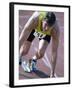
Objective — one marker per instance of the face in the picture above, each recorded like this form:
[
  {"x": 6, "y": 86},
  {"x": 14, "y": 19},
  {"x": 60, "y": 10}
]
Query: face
[{"x": 45, "y": 25}]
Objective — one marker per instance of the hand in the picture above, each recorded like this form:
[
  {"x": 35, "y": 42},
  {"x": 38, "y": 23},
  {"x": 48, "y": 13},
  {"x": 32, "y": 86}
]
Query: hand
[{"x": 53, "y": 75}]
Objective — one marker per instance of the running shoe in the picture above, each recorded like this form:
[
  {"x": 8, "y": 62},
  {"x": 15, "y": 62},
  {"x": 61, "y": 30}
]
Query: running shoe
[{"x": 30, "y": 66}]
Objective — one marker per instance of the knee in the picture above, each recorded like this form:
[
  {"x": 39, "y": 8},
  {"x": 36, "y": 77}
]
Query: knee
[
  {"x": 40, "y": 54},
  {"x": 23, "y": 51}
]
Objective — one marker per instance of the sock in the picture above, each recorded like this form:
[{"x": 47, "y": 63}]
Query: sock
[
  {"x": 20, "y": 60},
  {"x": 34, "y": 58},
  {"x": 34, "y": 61}
]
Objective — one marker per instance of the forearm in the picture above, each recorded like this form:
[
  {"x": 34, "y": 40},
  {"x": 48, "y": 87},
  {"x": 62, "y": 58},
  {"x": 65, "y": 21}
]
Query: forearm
[
  {"x": 55, "y": 43},
  {"x": 53, "y": 62}
]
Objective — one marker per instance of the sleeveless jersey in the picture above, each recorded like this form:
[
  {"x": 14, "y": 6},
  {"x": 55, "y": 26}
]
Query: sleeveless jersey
[{"x": 39, "y": 27}]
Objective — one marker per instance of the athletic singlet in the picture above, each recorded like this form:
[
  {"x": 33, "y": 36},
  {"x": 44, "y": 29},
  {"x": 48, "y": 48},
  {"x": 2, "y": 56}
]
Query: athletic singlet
[{"x": 39, "y": 27}]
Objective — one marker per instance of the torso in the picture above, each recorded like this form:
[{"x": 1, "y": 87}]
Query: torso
[
  {"x": 39, "y": 26},
  {"x": 52, "y": 32}
]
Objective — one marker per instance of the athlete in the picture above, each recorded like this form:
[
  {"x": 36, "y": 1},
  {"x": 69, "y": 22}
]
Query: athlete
[{"x": 44, "y": 26}]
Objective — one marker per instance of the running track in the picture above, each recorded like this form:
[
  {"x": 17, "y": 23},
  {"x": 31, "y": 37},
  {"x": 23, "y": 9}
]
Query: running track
[{"x": 43, "y": 64}]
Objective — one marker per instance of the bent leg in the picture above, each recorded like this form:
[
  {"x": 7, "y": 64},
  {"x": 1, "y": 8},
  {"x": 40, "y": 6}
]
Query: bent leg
[
  {"x": 26, "y": 44},
  {"x": 25, "y": 48},
  {"x": 42, "y": 48},
  {"x": 39, "y": 54}
]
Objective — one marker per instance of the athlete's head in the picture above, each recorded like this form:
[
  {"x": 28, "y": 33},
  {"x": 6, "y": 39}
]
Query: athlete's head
[{"x": 49, "y": 20}]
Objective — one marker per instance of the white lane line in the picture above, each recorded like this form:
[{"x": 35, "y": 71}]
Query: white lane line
[
  {"x": 47, "y": 60},
  {"x": 24, "y": 17}
]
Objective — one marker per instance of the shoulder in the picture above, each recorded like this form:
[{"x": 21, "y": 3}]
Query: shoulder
[
  {"x": 56, "y": 30},
  {"x": 33, "y": 18},
  {"x": 56, "y": 27},
  {"x": 35, "y": 15}
]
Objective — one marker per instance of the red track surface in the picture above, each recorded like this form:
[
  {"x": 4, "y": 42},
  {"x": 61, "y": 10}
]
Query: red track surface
[{"x": 43, "y": 68}]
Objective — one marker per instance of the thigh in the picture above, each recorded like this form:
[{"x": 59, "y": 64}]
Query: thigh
[
  {"x": 43, "y": 45},
  {"x": 31, "y": 36},
  {"x": 26, "y": 44},
  {"x": 25, "y": 48}
]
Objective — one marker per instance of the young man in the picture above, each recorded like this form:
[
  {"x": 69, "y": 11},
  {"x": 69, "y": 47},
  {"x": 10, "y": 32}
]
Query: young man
[{"x": 44, "y": 26}]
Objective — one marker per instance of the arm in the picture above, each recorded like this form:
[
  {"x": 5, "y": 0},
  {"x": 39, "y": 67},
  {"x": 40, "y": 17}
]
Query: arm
[
  {"x": 29, "y": 26},
  {"x": 55, "y": 43}
]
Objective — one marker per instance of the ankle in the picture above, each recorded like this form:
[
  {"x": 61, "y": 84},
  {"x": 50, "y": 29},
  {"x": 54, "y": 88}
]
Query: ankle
[
  {"x": 20, "y": 60},
  {"x": 34, "y": 60}
]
